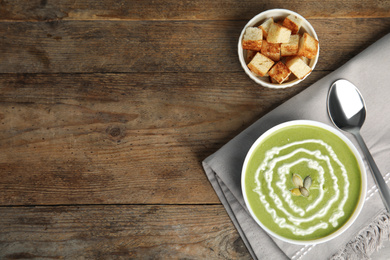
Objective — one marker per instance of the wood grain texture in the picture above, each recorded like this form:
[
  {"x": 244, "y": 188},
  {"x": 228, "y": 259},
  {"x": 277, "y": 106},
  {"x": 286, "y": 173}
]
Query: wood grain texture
[
  {"x": 122, "y": 232},
  {"x": 184, "y": 10},
  {"x": 121, "y": 138},
  {"x": 155, "y": 46},
  {"x": 107, "y": 109}
]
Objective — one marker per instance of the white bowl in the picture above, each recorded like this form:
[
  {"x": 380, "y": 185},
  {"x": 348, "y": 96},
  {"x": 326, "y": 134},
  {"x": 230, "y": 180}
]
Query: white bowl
[
  {"x": 277, "y": 14},
  {"x": 363, "y": 190}
]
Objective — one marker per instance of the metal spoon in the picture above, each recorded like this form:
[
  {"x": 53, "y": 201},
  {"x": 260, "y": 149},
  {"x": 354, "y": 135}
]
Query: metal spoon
[{"x": 347, "y": 110}]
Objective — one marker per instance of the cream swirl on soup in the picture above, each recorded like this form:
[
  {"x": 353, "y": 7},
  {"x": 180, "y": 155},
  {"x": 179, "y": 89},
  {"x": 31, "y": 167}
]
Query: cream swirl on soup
[
  {"x": 302, "y": 150},
  {"x": 311, "y": 211}
]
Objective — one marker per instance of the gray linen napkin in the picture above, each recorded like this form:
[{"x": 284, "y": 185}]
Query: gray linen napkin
[{"x": 370, "y": 72}]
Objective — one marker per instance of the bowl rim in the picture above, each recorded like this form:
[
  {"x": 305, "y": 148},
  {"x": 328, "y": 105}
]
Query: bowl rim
[
  {"x": 278, "y": 12},
  {"x": 363, "y": 190}
]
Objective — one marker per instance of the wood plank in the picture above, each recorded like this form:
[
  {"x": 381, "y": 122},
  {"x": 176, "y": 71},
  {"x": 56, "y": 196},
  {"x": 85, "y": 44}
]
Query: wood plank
[
  {"x": 179, "y": 46},
  {"x": 19, "y": 10},
  {"x": 119, "y": 232},
  {"x": 121, "y": 138}
]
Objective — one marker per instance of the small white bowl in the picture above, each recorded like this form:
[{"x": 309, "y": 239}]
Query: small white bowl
[
  {"x": 363, "y": 189},
  {"x": 277, "y": 14}
]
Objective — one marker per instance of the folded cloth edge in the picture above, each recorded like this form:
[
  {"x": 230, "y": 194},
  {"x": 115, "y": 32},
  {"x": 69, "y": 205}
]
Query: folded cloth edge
[
  {"x": 368, "y": 240},
  {"x": 222, "y": 192}
]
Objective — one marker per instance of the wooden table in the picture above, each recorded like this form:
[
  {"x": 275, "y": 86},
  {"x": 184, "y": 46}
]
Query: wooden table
[{"x": 107, "y": 109}]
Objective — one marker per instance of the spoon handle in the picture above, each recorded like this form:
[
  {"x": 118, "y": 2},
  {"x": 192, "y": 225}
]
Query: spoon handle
[{"x": 384, "y": 190}]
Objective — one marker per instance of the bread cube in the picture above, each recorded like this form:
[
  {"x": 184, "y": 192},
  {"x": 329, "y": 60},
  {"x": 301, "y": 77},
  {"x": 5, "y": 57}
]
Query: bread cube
[
  {"x": 308, "y": 46},
  {"x": 279, "y": 72},
  {"x": 253, "y": 38},
  {"x": 305, "y": 59},
  {"x": 249, "y": 55},
  {"x": 265, "y": 26},
  {"x": 260, "y": 64},
  {"x": 293, "y": 23},
  {"x": 271, "y": 50},
  {"x": 278, "y": 34},
  {"x": 290, "y": 48},
  {"x": 298, "y": 67}
]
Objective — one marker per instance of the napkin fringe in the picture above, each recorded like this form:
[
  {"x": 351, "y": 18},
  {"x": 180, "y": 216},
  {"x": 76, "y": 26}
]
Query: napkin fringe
[{"x": 368, "y": 240}]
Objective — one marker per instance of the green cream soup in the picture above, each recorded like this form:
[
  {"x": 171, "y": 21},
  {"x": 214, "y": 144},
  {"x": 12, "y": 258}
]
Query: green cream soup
[{"x": 306, "y": 152}]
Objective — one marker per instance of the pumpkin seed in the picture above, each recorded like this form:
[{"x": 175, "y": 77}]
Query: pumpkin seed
[
  {"x": 297, "y": 180},
  {"x": 296, "y": 192},
  {"x": 307, "y": 182},
  {"x": 304, "y": 191}
]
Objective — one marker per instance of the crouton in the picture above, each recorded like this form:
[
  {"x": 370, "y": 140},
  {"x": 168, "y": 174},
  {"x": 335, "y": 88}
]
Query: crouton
[
  {"x": 271, "y": 50},
  {"x": 293, "y": 23},
  {"x": 265, "y": 26},
  {"x": 308, "y": 46},
  {"x": 253, "y": 39},
  {"x": 279, "y": 72},
  {"x": 284, "y": 54},
  {"x": 249, "y": 55},
  {"x": 305, "y": 59},
  {"x": 260, "y": 64},
  {"x": 298, "y": 67},
  {"x": 278, "y": 34},
  {"x": 290, "y": 48}
]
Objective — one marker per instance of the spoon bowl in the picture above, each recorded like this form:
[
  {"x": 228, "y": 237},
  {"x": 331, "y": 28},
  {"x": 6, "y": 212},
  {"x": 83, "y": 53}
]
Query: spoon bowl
[{"x": 347, "y": 110}]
